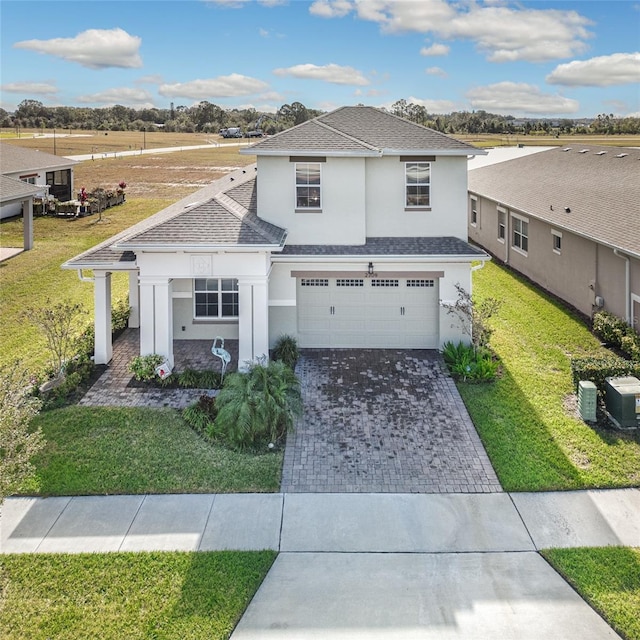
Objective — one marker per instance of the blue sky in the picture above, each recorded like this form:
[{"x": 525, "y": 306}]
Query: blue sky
[{"x": 537, "y": 59}]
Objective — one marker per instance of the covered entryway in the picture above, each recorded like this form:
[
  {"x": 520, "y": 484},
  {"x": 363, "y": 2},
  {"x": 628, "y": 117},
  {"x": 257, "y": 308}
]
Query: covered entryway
[{"x": 377, "y": 312}]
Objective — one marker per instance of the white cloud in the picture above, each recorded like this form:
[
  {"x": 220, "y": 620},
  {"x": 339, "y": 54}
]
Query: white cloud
[
  {"x": 332, "y": 73},
  {"x": 139, "y": 98},
  {"x": 35, "y": 88},
  {"x": 263, "y": 32},
  {"x": 503, "y": 33},
  {"x": 330, "y": 8},
  {"x": 151, "y": 79},
  {"x": 220, "y": 87},
  {"x": 603, "y": 71},
  {"x": 519, "y": 98},
  {"x": 238, "y": 4},
  {"x": 434, "y": 106},
  {"x": 436, "y": 71},
  {"x": 436, "y": 49},
  {"x": 94, "y": 48}
]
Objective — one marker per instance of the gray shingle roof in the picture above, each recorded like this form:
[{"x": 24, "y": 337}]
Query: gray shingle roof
[
  {"x": 14, "y": 159},
  {"x": 386, "y": 246},
  {"x": 220, "y": 214},
  {"x": 12, "y": 189},
  {"x": 360, "y": 130},
  {"x": 602, "y": 191}
]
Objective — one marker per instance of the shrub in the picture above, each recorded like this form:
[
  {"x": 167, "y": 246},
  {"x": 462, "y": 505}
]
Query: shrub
[
  {"x": 210, "y": 379},
  {"x": 616, "y": 332},
  {"x": 286, "y": 350},
  {"x": 201, "y": 415},
  {"x": 144, "y": 367},
  {"x": 598, "y": 369},
  {"x": 467, "y": 363},
  {"x": 258, "y": 407},
  {"x": 120, "y": 315},
  {"x": 188, "y": 379}
]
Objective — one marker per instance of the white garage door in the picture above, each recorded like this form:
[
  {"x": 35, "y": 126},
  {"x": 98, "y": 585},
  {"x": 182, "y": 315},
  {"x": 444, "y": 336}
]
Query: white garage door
[{"x": 368, "y": 312}]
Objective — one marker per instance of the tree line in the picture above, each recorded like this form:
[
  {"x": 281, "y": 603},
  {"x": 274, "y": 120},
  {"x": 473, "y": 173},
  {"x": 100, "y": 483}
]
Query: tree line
[{"x": 206, "y": 117}]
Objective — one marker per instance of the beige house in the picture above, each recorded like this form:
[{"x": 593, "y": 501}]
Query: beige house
[
  {"x": 349, "y": 231},
  {"x": 569, "y": 219}
]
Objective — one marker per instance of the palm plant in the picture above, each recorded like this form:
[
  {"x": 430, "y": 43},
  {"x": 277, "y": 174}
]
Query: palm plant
[{"x": 257, "y": 407}]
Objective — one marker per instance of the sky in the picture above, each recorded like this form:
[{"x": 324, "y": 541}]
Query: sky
[{"x": 561, "y": 59}]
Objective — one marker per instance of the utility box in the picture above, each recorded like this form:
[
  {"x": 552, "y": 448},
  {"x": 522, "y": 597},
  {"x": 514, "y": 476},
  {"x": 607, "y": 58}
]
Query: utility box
[
  {"x": 622, "y": 399},
  {"x": 587, "y": 400}
]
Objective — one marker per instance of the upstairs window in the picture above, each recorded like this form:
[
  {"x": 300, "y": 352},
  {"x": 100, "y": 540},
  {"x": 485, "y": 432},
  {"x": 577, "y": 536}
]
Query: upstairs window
[
  {"x": 417, "y": 184},
  {"x": 308, "y": 185},
  {"x": 502, "y": 225},
  {"x": 557, "y": 241},
  {"x": 474, "y": 212},
  {"x": 216, "y": 298}
]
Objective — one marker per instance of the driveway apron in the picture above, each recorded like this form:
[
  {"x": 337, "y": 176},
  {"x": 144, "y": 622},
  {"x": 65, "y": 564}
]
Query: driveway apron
[{"x": 383, "y": 421}]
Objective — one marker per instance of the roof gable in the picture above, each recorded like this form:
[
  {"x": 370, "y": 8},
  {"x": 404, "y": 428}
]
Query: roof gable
[
  {"x": 600, "y": 190},
  {"x": 360, "y": 131}
]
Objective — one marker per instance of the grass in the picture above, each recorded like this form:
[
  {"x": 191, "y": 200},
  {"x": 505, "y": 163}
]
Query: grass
[
  {"x": 128, "y": 595},
  {"x": 540, "y": 139},
  {"x": 94, "y": 451},
  {"x": 608, "y": 579},
  {"x": 534, "y": 441}
]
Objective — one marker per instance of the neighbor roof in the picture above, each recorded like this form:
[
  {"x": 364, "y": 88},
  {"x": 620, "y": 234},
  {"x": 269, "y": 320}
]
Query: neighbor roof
[
  {"x": 14, "y": 159},
  {"x": 365, "y": 131},
  {"x": 12, "y": 189},
  {"x": 599, "y": 185},
  {"x": 222, "y": 214}
]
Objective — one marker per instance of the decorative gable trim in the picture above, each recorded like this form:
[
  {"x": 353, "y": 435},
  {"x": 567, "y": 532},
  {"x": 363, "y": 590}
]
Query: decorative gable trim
[
  {"x": 417, "y": 158},
  {"x": 307, "y": 158}
]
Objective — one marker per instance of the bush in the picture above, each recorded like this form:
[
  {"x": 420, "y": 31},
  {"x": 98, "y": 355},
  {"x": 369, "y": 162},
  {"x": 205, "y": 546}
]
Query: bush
[
  {"x": 598, "y": 369},
  {"x": 617, "y": 333},
  {"x": 258, "y": 407},
  {"x": 469, "y": 364},
  {"x": 144, "y": 367},
  {"x": 201, "y": 415},
  {"x": 286, "y": 350}
]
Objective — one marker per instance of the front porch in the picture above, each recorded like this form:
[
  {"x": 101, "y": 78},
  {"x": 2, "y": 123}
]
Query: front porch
[{"x": 115, "y": 388}]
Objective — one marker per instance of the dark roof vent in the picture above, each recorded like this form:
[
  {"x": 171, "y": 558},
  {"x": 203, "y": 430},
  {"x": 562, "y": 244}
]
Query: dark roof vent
[
  {"x": 601, "y": 153},
  {"x": 622, "y": 155},
  {"x": 567, "y": 210},
  {"x": 583, "y": 151},
  {"x": 567, "y": 149}
]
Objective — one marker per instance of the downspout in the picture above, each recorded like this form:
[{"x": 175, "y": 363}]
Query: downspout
[{"x": 627, "y": 285}]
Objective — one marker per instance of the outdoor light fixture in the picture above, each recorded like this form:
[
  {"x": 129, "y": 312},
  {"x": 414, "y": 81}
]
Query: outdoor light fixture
[{"x": 370, "y": 269}]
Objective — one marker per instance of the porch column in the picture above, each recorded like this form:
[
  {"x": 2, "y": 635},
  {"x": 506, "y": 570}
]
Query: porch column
[
  {"x": 134, "y": 300},
  {"x": 103, "y": 349},
  {"x": 156, "y": 317},
  {"x": 253, "y": 321},
  {"x": 27, "y": 223}
]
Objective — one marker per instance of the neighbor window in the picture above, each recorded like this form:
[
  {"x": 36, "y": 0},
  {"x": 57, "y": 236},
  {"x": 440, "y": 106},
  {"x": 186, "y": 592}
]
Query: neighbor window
[
  {"x": 520, "y": 234},
  {"x": 474, "y": 212},
  {"x": 417, "y": 184},
  {"x": 557, "y": 241},
  {"x": 502, "y": 225},
  {"x": 216, "y": 298},
  {"x": 307, "y": 185}
]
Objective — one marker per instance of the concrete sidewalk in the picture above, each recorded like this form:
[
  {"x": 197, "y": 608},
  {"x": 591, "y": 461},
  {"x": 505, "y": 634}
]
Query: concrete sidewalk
[{"x": 374, "y": 566}]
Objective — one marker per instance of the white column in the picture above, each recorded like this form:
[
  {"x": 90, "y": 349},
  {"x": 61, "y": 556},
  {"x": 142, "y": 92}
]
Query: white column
[
  {"x": 102, "y": 317},
  {"x": 245, "y": 324},
  {"x": 163, "y": 295},
  {"x": 147, "y": 317},
  {"x": 134, "y": 300},
  {"x": 260, "y": 319},
  {"x": 27, "y": 223}
]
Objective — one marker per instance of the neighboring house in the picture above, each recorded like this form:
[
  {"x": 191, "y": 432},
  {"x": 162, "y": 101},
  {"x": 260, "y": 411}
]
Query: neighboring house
[
  {"x": 17, "y": 193},
  {"x": 568, "y": 219},
  {"x": 53, "y": 174},
  {"x": 349, "y": 232}
]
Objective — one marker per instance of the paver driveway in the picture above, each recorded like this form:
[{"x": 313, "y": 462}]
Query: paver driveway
[{"x": 383, "y": 420}]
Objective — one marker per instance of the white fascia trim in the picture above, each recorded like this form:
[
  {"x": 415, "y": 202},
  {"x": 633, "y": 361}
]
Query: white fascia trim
[
  {"x": 101, "y": 266},
  {"x": 381, "y": 258}
]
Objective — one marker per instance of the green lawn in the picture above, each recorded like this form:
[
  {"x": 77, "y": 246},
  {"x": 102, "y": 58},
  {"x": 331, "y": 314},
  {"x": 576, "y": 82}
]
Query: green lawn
[
  {"x": 608, "y": 579},
  {"x": 121, "y": 451},
  {"x": 128, "y": 595},
  {"x": 533, "y": 441}
]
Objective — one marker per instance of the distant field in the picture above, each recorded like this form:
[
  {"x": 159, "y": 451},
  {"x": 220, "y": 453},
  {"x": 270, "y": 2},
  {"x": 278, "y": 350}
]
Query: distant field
[{"x": 535, "y": 140}]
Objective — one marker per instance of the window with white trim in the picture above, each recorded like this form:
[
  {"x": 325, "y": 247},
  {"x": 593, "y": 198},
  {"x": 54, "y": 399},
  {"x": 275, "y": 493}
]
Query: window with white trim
[
  {"x": 29, "y": 180},
  {"x": 215, "y": 298},
  {"x": 557, "y": 241},
  {"x": 474, "y": 212},
  {"x": 417, "y": 184},
  {"x": 308, "y": 185},
  {"x": 502, "y": 225},
  {"x": 520, "y": 235}
]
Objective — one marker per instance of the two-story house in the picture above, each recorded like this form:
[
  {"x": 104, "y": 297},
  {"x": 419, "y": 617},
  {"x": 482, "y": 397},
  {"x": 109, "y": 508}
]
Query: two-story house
[{"x": 350, "y": 231}]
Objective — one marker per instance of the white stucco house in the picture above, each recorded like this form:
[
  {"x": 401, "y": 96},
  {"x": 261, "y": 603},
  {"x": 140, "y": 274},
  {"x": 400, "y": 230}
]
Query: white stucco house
[{"x": 349, "y": 231}]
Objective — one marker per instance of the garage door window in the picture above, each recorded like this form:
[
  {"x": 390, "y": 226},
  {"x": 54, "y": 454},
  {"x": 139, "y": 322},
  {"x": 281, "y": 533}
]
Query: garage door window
[
  {"x": 421, "y": 283},
  {"x": 385, "y": 283},
  {"x": 349, "y": 282},
  {"x": 216, "y": 298},
  {"x": 314, "y": 282}
]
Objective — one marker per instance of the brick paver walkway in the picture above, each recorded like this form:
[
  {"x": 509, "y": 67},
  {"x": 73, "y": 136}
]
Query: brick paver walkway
[
  {"x": 114, "y": 388},
  {"x": 383, "y": 421}
]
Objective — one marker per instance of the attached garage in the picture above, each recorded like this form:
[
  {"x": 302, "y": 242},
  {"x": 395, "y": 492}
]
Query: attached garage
[{"x": 374, "y": 312}]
